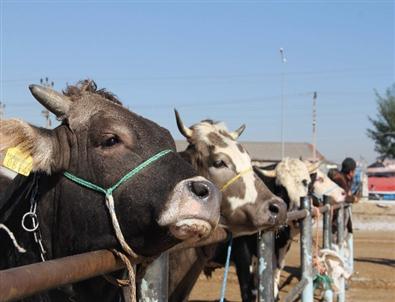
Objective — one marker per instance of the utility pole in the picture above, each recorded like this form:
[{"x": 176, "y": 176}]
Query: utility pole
[
  {"x": 45, "y": 112},
  {"x": 284, "y": 61},
  {"x": 314, "y": 125},
  {"x": 2, "y": 111}
]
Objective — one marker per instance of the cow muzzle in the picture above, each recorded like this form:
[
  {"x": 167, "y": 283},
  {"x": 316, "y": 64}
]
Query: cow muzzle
[
  {"x": 268, "y": 214},
  {"x": 192, "y": 211}
]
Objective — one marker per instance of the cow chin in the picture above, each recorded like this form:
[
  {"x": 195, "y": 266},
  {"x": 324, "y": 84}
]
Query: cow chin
[
  {"x": 192, "y": 211},
  {"x": 191, "y": 229}
]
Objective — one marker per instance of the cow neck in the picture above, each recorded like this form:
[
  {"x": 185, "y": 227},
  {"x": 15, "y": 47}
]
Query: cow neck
[
  {"x": 34, "y": 226},
  {"x": 109, "y": 195},
  {"x": 24, "y": 199}
]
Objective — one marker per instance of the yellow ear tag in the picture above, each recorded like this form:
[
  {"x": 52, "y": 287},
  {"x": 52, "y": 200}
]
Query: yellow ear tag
[{"x": 18, "y": 161}]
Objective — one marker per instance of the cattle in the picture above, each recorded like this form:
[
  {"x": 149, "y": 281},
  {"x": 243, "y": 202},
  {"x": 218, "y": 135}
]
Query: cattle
[
  {"x": 322, "y": 185},
  {"x": 247, "y": 204},
  {"x": 289, "y": 174},
  {"x": 290, "y": 179},
  {"x": 156, "y": 198}
]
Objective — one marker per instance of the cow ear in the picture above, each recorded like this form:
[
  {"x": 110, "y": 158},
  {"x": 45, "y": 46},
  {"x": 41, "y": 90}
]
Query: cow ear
[{"x": 35, "y": 141}]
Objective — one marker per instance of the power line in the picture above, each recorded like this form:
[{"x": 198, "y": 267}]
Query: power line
[{"x": 220, "y": 77}]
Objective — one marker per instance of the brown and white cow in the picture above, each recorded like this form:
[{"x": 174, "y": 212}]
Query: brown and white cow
[
  {"x": 247, "y": 204},
  {"x": 101, "y": 142},
  {"x": 290, "y": 179}
]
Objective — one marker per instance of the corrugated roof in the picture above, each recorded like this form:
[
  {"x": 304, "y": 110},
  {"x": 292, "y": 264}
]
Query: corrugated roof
[{"x": 271, "y": 151}]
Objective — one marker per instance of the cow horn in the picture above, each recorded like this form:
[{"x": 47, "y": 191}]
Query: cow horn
[
  {"x": 312, "y": 167},
  {"x": 187, "y": 132},
  {"x": 269, "y": 173},
  {"x": 55, "y": 102},
  {"x": 235, "y": 134}
]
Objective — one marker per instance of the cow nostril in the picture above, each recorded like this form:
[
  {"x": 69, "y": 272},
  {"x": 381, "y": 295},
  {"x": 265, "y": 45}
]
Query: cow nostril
[
  {"x": 200, "y": 189},
  {"x": 274, "y": 209}
]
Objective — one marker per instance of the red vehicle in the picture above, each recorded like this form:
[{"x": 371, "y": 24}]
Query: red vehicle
[{"x": 381, "y": 180}]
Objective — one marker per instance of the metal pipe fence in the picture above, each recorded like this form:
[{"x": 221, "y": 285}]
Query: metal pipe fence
[
  {"x": 19, "y": 282},
  {"x": 305, "y": 287}
]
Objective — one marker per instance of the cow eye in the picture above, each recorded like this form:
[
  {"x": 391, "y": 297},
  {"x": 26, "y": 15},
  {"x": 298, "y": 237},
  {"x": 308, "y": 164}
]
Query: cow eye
[
  {"x": 219, "y": 164},
  {"x": 111, "y": 141},
  {"x": 305, "y": 182}
]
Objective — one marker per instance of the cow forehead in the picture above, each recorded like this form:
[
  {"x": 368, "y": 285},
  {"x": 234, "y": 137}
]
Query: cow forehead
[
  {"x": 204, "y": 130},
  {"x": 217, "y": 135},
  {"x": 292, "y": 170},
  {"x": 325, "y": 178},
  {"x": 89, "y": 105}
]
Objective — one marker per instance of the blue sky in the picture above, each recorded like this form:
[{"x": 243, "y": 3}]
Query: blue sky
[{"x": 217, "y": 59}]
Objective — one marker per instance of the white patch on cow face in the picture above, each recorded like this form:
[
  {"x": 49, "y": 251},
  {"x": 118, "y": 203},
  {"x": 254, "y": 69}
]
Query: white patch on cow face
[
  {"x": 249, "y": 197},
  {"x": 323, "y": 185},
  {"x": 241, "y": 161},
  {"x": 293, "y": 175}
]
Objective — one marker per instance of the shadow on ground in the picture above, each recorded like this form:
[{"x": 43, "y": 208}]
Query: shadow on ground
[{"x": 381, "y": 261}]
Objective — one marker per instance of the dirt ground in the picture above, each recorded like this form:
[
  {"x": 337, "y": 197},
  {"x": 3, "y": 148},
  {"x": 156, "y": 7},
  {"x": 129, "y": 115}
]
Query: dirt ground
[{"x": 374, "y": 266}]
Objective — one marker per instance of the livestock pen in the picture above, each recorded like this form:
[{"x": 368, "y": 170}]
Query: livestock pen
[{"x": 24, "y": 281}]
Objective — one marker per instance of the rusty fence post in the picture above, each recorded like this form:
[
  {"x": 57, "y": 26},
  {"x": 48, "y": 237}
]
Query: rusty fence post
[
  {"x": 306, "y": 250},
  {"x": 265, "y": 266},
  {"x": 154, "y": 285}
]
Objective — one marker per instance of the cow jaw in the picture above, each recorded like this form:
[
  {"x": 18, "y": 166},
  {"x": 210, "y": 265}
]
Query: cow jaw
[
  {"x": 190, "y": 216},
  {"x": 191, "y": 229}
]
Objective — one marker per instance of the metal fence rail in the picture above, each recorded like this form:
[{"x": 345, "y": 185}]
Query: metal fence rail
[{"x": 27, "y": 280}]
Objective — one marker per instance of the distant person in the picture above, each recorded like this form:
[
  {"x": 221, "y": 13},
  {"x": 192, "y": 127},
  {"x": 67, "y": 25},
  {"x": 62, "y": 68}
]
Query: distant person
[{"x": 344, "y": 178}]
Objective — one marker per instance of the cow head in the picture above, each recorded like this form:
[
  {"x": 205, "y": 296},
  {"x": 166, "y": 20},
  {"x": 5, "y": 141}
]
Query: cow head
[
  {"x": 322, "y": 185},
  {"x": 292, "y": 176},
  {"x": 100, "y": 141},
  {"x": 247, "y": 204}
]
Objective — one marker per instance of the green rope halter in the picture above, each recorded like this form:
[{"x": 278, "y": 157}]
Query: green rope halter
[
  {"x": 130, "y": 174},
  {"x": 323, "y": 279},
  {"x": 110, "y": 199}
]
